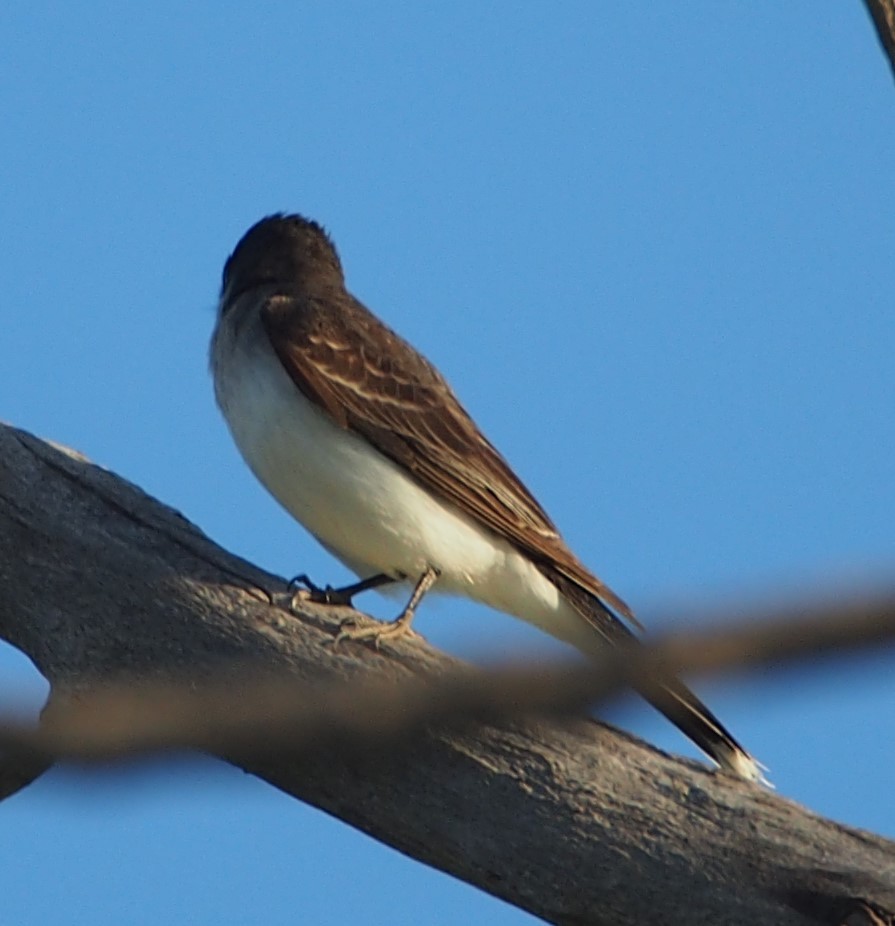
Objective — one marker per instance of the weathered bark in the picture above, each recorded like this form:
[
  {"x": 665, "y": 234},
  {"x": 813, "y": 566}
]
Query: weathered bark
[
  {"x": 572, "y": 821},
  {"x": 882, "y": 12}
]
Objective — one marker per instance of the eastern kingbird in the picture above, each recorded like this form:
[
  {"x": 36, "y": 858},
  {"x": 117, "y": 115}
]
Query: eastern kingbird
[{"x": 363, "y": 441}]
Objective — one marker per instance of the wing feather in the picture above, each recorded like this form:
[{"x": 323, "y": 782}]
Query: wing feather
[{"x": 382, "y": 389}]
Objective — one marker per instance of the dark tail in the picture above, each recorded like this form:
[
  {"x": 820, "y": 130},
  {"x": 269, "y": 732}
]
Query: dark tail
[
  {"x": 698, "y": 723},
  {"x": 668, "y": 695}
]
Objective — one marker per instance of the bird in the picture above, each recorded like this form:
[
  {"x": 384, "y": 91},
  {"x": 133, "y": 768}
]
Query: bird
[{"x": 362, "y": 440}]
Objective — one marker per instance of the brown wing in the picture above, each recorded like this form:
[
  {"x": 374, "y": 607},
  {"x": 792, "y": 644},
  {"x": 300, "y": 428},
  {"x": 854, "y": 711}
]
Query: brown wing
[{"x": 372, "y": 382}]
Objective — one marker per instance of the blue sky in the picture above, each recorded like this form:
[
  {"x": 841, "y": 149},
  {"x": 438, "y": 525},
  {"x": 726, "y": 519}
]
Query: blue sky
[{"x": 651, "y": 254}]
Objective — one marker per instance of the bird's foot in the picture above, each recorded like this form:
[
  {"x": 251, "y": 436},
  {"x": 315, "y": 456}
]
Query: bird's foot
[
  {"x": 377, "y": 631},
  {"x": 306, "y": 590},
  {"x": 303, "y": 589},
  {"x": 373, "y": 631}
]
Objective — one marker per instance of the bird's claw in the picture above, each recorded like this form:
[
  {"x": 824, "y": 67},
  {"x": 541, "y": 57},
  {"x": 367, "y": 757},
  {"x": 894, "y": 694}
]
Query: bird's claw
[
  {"x": 372, "y": 631},
  {"x": 303, "y": 589}
]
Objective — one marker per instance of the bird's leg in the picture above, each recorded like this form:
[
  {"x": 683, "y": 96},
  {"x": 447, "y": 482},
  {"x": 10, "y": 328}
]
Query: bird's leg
[
  {"x": 306, "y": 590},
  {"x": 390, "y": 630}
]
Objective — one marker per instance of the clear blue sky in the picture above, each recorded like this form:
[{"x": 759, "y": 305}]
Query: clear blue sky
[{"x": 651, "y": 249}]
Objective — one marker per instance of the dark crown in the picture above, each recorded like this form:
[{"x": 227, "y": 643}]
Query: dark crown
[{"x": 279, "y": 249}]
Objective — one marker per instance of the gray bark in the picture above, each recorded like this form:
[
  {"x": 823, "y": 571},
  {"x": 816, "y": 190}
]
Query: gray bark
[
  {"x": 569, "y": 820},
  {"x": 882, "y": 12}
]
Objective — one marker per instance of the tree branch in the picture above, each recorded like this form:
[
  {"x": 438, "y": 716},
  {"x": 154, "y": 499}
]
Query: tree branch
[
  {"x": 882, "y": 12},
  {"x": 570, "y": 820}
]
